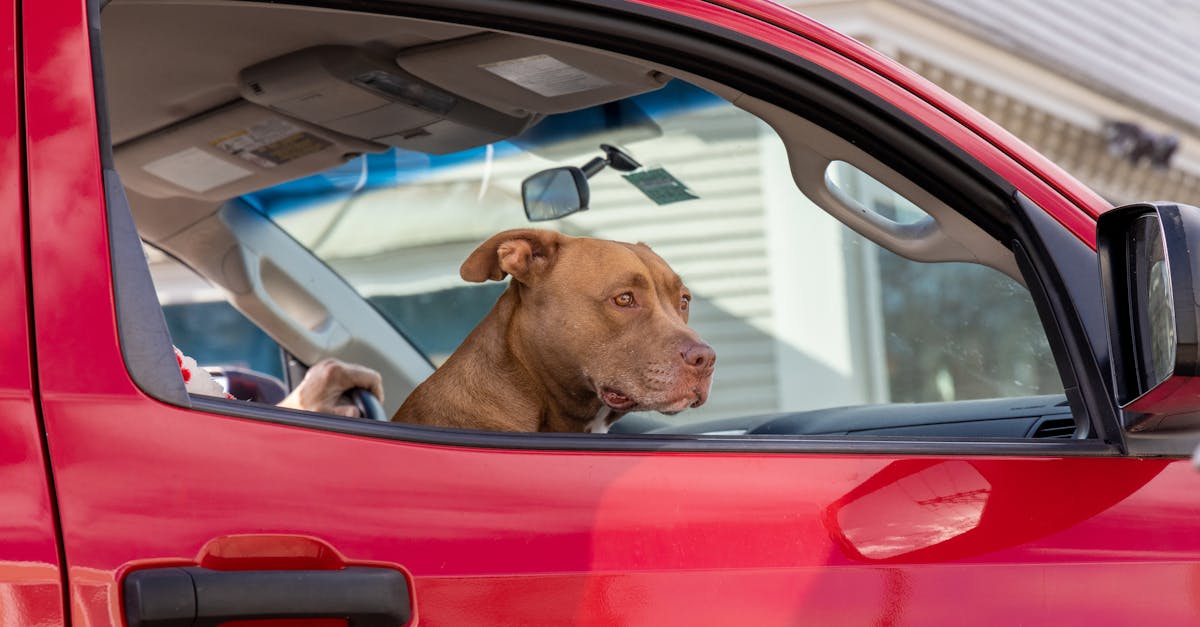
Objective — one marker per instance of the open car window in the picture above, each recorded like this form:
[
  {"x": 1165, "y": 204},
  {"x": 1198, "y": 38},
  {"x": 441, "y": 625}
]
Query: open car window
[{"x": 807, "y": 307}]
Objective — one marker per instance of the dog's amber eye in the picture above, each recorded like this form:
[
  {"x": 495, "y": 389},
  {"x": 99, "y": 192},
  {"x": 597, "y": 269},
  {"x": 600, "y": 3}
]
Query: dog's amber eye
[
  {"x": 685, "y": 302},
  {"x": 624, "y": 300}
]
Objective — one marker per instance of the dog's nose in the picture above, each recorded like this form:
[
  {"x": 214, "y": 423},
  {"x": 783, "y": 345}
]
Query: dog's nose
[{"x": 699, "y": 355}]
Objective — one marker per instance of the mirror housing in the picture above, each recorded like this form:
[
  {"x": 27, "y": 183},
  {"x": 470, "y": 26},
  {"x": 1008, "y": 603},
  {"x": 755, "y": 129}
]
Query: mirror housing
[{"x": 1151, "y": 287}]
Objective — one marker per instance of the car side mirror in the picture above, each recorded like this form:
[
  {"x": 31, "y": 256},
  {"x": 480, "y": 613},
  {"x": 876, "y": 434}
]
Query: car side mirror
[{"x": 1151, "y": 290}]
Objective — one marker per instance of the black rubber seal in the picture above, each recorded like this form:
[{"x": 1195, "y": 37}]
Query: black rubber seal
[{"x": 1069, "y": 300}]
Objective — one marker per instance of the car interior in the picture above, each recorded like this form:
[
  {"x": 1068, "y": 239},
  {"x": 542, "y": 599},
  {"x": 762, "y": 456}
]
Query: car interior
[{"x": 231, "y": 121}]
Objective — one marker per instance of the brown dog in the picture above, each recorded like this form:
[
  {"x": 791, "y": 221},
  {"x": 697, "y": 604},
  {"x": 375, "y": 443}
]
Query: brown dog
[{"x": 587, "y": 330}]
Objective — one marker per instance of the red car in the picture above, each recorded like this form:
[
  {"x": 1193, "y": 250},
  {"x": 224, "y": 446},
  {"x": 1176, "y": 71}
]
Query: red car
[{"x": 948, "y": 389}]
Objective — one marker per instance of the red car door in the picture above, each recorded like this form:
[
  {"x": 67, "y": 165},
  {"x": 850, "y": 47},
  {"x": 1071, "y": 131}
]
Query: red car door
[
  {"x": 289, "y": 519},
  {"x": 31, "y": 586}
]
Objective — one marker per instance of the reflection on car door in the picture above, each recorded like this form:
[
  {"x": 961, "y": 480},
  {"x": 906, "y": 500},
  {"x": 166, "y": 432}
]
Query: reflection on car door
[{"x": 508, "y": 536}]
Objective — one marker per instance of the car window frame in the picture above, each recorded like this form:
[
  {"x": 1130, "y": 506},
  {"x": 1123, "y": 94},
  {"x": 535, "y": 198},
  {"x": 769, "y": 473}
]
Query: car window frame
[{"x": 754, "y": 67}]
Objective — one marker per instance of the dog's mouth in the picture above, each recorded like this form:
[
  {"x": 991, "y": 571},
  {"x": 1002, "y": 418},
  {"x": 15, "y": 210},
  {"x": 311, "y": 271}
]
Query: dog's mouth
[
  {"x": 695, "y": 398},
  {"x": 622, "y": 402},
  {"x": 615, "y": 399}
]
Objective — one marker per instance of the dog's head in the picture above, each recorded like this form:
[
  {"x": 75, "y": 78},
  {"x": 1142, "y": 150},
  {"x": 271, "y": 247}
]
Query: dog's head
[{"x": 600, "y": 317}]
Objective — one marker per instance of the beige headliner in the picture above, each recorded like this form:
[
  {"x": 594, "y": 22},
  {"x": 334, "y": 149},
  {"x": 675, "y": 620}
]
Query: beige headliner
[
  {"x": 171, "y": 71},
  {"x": 150, "y": 51}
]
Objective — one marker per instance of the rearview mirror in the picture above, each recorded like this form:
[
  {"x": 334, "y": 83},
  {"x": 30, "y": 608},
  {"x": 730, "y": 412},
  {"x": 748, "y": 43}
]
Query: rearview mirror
[
  {"x": 559, "y": 192},
  {"x": 555, "y": 193},
  {"x": 1151, "y": 305}
]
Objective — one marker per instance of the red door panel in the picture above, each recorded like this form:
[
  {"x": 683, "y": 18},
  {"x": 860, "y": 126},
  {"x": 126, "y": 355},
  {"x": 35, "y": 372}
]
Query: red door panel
[
  {"x": 505, "y": 537},
  {"x": 543, "y": 538},
  {"x": 30, "y": 579}
]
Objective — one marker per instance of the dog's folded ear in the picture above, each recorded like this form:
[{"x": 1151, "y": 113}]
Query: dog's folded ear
[{"x": 519, "y": 252}]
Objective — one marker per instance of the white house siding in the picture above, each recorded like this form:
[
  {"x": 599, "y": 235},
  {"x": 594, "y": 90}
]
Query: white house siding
[{"x": 1142, "y": 53}]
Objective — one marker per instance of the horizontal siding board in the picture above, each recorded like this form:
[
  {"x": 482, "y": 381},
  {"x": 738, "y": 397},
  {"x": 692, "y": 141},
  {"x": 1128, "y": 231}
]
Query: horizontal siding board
[{"x": 1142, "y": 52}]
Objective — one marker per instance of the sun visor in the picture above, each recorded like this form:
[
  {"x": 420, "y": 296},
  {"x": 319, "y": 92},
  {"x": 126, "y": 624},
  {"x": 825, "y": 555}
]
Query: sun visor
[
  {"x": 353, "y": 92},
  {"x": 233, "y": 150},
  {"x": 519, "y": 74}
]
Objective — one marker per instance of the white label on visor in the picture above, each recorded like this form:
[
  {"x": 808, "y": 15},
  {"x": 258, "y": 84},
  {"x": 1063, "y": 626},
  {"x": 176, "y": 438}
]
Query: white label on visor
[
  {"x": 545, "y": 75},
  {"x": 196, "y": 170}
]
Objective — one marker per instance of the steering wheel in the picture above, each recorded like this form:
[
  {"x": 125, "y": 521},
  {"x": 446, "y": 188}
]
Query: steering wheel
[{"x": 367, "y": 404}]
